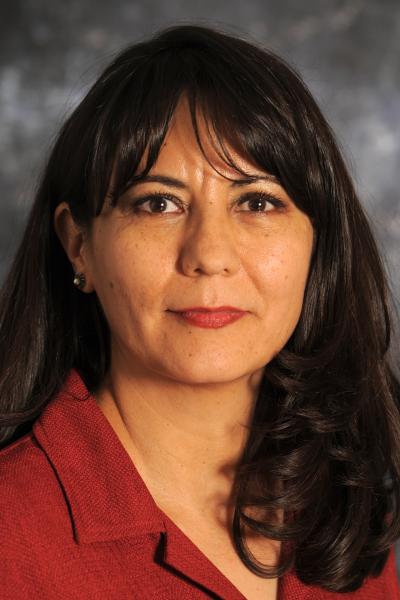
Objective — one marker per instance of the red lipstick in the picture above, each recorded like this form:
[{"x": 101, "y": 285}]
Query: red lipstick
[{"x": 210, "y": 318}]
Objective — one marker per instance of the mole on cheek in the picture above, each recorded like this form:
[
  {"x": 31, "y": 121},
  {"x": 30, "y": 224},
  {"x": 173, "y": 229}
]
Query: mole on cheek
[{"x": 111, "y": 284}]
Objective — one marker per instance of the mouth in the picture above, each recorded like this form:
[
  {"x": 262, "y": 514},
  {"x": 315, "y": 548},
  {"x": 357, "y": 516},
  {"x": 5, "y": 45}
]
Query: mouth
[
  {"x": 209, "y": 309},
  {"x": 210, "y": 318}
]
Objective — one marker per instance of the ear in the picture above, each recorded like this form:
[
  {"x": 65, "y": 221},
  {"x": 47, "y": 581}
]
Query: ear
[{"x": 73, "y": 239}]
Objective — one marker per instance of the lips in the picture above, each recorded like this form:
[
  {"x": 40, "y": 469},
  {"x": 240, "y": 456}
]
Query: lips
[
  {"x": 210, "y": 309},
  {"x": 210, "y": 318}
]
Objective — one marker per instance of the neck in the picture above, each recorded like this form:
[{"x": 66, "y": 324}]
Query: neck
[{"x": 185, "y": 439}]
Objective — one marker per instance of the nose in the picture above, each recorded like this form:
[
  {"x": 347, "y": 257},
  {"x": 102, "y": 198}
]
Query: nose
[{"x": 210, "y": 247}]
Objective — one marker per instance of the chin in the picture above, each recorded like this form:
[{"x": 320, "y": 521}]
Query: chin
[{"x": 209, "y": 374}]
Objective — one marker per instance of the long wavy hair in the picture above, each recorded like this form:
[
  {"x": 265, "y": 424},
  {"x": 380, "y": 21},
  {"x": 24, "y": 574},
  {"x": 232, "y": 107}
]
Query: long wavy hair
[{"x": 324, "y": 444}]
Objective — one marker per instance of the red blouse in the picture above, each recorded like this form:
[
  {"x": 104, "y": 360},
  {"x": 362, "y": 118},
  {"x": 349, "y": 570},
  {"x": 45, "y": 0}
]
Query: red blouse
[{"x": 78, "y": 522}]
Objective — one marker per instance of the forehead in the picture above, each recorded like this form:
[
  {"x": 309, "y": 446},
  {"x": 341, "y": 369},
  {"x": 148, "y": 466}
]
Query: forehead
[{"x": 180, "y": 152}]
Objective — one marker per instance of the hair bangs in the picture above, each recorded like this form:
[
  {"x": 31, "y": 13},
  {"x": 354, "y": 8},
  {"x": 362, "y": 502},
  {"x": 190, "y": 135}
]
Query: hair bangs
[
  {"x": 253, "y": 113},
  {"x": 239, "y": 110},
  {"x": 134, "y": 129}
]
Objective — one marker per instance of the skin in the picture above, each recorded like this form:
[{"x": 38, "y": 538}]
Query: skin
[{"x": 179, "y": 396}]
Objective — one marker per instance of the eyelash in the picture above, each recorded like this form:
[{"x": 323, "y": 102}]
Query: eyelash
[{"x": 276, "y": 202}]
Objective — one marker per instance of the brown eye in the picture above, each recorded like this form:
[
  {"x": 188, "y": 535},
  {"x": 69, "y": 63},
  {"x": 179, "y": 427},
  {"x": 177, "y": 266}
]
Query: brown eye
[
  {"x": 157, "y": 203},
  {"x": 260, "y": 202}
]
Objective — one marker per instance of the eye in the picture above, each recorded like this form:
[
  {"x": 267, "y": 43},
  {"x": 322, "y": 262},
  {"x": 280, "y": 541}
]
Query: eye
[
  {"x": 260, "y": 202},
  {"x": 157, "y": 202}
]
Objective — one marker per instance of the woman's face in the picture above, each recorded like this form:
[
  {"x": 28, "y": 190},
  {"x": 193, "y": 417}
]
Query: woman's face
[{"x": 203, "y": 241}]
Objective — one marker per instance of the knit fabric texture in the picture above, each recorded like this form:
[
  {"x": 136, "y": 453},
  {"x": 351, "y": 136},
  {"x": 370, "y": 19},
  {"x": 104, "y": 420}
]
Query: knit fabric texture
[{"x": 77, "y": 522}]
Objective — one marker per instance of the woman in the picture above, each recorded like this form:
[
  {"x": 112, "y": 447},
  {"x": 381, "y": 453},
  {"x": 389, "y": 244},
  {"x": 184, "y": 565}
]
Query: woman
[{"x": 209, "y": 412}]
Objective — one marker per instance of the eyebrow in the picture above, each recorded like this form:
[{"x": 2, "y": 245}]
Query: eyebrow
[{"x": 177, "y": 183}]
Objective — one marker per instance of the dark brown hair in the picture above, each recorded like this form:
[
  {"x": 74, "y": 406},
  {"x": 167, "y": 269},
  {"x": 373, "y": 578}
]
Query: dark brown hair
[{"x": 324, "y": 445}]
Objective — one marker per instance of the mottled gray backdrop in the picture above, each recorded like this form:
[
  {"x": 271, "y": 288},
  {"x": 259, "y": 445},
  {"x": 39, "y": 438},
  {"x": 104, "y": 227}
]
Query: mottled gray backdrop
[{"x": 348, "y": 53}]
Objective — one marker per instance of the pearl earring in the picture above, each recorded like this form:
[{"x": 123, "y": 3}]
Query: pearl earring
[{"x": 79, "y": 280}]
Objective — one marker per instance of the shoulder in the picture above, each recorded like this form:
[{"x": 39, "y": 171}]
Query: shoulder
[
  {"x": 385, "y": 585},
  {"x": 32, "y": 505},
  {"x": 23, "y": 468}
]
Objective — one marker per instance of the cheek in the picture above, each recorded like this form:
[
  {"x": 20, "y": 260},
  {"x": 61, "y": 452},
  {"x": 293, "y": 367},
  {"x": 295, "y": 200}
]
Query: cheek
[
  {"x": 130, "y": 276},
  {"x": 282, "y": 278},
  {"x": 285, "y": 261},
  {"x": 286, "y": 271}
]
